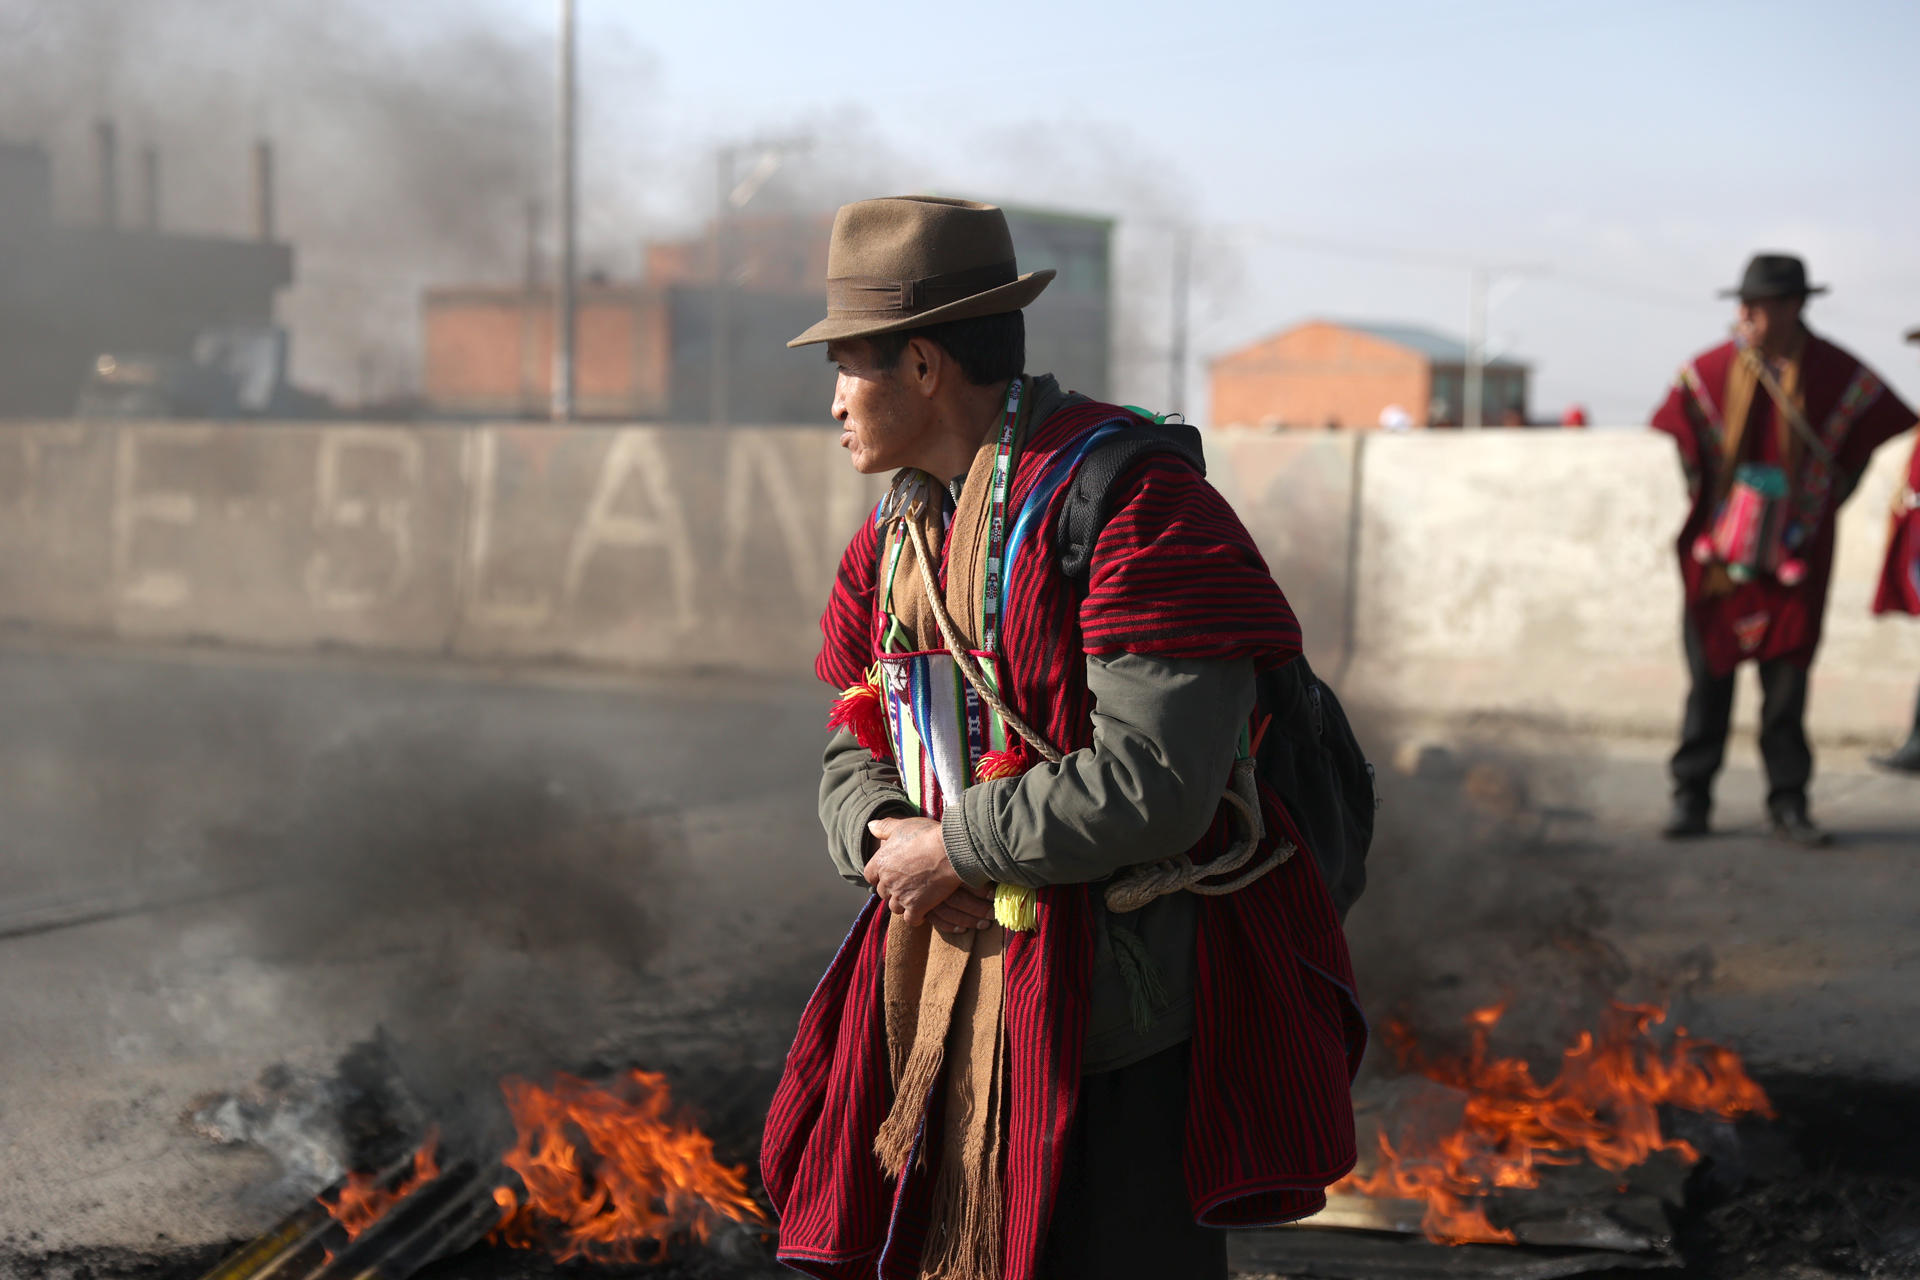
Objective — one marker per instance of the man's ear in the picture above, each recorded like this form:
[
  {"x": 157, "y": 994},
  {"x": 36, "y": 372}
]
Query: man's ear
[{"x": 925, "y": 366}]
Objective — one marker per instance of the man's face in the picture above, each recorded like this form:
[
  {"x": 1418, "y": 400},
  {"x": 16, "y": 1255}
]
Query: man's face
[
  {"x": 1767, "y": 322},
  {"x": 881, "y": 421}
]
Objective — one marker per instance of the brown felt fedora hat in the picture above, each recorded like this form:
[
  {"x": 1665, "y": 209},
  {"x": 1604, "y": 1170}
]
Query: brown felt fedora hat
[{"x": 907, "y": 261}]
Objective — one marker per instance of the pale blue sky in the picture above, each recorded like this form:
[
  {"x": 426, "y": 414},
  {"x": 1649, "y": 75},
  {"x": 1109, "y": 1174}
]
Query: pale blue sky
[{"x": 1639, "y": 150}]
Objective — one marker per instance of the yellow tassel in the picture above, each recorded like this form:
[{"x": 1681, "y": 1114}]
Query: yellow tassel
[{"x": 1016, "y": 907}]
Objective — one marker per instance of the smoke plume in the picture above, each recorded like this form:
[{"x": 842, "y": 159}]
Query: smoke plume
[{"x": 409, "y": 140}]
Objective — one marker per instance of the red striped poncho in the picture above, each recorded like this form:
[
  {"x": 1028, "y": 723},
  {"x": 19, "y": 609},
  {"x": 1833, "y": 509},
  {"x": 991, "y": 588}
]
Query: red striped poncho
[
  {"x": 1900, "y": 578},
  {"x": 1854, "y": 413},
  {"x": 1278, "y": 1034}
]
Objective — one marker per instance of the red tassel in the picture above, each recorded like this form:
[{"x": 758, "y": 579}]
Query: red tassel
[
  {"x": 1010, "y": 763},
  {"x": 862, "y": 710},
  {"x": 1259, "y": 733}
]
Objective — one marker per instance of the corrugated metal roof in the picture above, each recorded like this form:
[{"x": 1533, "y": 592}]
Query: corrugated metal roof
[{"x": 1435, "y": 346}]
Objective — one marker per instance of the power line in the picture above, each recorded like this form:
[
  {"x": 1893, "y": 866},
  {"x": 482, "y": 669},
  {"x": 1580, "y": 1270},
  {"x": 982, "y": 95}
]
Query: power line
[
  {"x": 1644, "y": 297},
  {"x": 1315, "y": 243},
  {"x": 566, "y": 191}
]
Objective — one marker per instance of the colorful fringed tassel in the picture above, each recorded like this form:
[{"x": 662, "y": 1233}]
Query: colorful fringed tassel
[
  {"x": 995, "y": 765},
  {"x": 1014, "y": 907},
  {"x": 862, "y": 709}
]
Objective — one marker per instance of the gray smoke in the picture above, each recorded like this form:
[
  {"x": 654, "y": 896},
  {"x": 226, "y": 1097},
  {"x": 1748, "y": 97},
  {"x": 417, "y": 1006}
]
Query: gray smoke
[
  {"x": 1106, "y": 169},
  {"x": 1476, "y": 894},
  {"x": 510, "y": 881},
  {"x": 409, "y": 140}
]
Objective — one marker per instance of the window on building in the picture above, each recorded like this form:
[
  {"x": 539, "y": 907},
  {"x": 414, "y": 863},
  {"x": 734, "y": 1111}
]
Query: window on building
[
  {"x": 1448, "y": 397},
  {"x": 1083, "y": 272}
]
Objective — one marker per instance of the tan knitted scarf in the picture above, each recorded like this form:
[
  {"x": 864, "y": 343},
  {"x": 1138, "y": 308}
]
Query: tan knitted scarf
[
  {"x": 1743, "y": 380},
  {"x": 942, "y": 992}
]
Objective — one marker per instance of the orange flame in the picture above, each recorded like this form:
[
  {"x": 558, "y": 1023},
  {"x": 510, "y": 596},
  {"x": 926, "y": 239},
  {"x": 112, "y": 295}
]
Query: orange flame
[
  {"x": 609, "y": 1175},
  {"x": 605, "y": 1174},
  {"x": 363, "y": 1201},
  {"x": 1602, "y": 1106}
]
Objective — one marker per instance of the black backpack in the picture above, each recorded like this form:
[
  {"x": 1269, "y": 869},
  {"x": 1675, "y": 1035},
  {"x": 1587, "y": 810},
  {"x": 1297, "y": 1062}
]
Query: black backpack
[{"x": 1308, "y": 754}]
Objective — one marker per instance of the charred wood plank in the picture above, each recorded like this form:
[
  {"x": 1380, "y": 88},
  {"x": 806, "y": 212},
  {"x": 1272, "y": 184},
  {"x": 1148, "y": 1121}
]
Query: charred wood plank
[
  {"x": 300, "y": 1242},
  {"x": 442, "y": 1217},
  {"x": 300, "y": 1233}
]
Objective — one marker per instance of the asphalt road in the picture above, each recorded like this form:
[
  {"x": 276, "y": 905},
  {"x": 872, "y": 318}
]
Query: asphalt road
[
  {"x": 216, "y": 866},
  {"x": 214, "y": 869}
]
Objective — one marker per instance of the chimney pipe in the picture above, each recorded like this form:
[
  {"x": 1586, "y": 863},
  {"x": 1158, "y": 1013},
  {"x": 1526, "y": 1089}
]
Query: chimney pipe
[
  {"x": 107, "y": 148},
  {"x": 533, "y": 248},
  {"x": 150, "y": 188},
  {"x": 263, "y": 189}
]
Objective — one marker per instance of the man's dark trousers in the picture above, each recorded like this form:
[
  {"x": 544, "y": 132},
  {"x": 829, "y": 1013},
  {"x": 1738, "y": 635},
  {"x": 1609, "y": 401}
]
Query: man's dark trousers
[
  {"x": 1783, "y": 727},
  {"x": 1123, "y": 1211}
]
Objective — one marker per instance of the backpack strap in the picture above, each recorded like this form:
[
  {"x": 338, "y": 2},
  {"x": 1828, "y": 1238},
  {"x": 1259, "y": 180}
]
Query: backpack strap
[
  {"x": 1084, "y": 511},
  {"x": 1083, "y": 514}
]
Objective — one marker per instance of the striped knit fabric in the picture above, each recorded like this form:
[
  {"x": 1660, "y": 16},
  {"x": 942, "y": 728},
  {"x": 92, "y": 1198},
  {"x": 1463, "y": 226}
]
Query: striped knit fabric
[{"x": 1277, "y": 1031}]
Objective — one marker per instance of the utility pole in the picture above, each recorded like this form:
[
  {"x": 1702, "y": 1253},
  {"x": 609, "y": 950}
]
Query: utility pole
[
  {"x": 150, "y": 187},
  {"x": 107, "y": 153},
  {"x": 1177, "y": 340},
  {"x": 263, "y": 219},
  {"x": 1476, "y": 342},
  {"x": 1481, "y": 280},
  {"x": 720, "y": 351},
  {"x": 532, "y": 281},
  {"x": 564, "y": 194}
]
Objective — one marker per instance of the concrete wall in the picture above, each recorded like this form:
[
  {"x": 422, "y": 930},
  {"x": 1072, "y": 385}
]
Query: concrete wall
[
  {"x": 1533, "y": 573},
  {"x": 649, "y": 546},
  {"x": 1295, "y": 493},
  {"x": 1512, "y": 573}
]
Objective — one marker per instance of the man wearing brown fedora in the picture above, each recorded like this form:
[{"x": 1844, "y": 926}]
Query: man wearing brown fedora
[
  {"x": 1900, "y": 586},
  {"x": 1059, "y": 1042},
  {"x": 1774, "y": 428}
]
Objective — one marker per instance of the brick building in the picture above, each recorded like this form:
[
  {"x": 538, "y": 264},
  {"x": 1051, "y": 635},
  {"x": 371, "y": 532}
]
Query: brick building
[
  {"x": 1330, "y": 374},
  {"x": 640, "y": 352},
  {"x": 643, "y": 350}
]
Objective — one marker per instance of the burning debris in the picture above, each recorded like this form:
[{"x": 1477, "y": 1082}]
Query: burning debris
[
  {"x": 1602, "y": 1109},
  {"x": 362, "y": 1199},
  {"x": 607, "y": 1175}
]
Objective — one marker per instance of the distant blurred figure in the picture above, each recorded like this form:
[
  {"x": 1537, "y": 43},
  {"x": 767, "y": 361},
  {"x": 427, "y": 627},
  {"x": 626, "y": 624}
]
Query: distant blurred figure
[
  {"x": 1900, "y": 584},
  {"x": 1774, "y": 429},
  {"x": 1575, "y": 416},
  {"x": 1394, "y": 418},
  {"x": 1512, "y": 417}
]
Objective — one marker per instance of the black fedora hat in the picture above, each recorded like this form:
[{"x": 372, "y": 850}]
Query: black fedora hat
[
  {"x": 1773, "y": 275},
  {"x": 1913, "y": 335}
]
